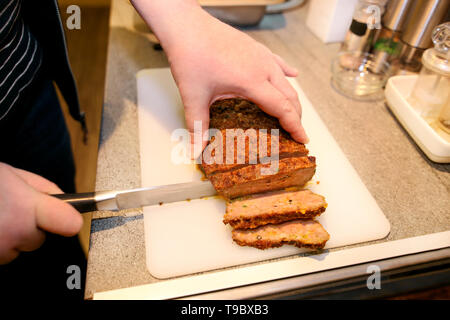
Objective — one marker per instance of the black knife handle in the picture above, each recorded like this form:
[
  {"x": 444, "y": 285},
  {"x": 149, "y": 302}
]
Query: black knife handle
[{"x": 83, "y": 202}]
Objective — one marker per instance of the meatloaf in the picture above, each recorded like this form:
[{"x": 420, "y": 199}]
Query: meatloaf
[
  {"x": 273, "y": 207},
  {"x": 305, "y": 233},
  {"x": 290, "y": 163}
]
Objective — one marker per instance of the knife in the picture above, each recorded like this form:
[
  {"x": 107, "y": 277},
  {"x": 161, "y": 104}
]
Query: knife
[{"x": 126, "y": 199}]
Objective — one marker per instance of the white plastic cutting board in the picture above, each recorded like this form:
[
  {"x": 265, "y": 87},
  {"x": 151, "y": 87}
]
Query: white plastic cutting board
[{"x": 189, "y": 236}]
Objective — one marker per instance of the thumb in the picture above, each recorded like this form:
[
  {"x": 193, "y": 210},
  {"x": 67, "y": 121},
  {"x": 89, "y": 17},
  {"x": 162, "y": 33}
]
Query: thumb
[
  {"x": 56, "y": 216},
  {"x": 196, "y": 110}
]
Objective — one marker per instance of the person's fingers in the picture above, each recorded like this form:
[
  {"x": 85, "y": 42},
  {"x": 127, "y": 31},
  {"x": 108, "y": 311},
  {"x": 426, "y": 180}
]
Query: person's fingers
[
  {"x": 8, "y": 256},
  {"x": 196, "y": 111},
  {"x": 287, "y": 69},
  {"x": 31, "y": 241},
  {"x": 280, "y": 82},
  {"x": 56, "y": 216},
  {"x": 37, "y": 182},
  {"x": 274, "y": 103}
]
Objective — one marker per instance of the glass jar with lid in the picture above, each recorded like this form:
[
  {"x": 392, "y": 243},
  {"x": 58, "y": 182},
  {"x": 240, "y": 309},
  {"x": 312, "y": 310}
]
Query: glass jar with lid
[{"x": 432, "y": 88}]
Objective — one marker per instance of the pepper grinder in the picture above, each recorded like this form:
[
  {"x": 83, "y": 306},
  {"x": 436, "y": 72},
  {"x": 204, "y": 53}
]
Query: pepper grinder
[
  {"x": 432, "y": 89},
  {"x": 423, "y": 16},
  {"x": 387, "y": 46}
]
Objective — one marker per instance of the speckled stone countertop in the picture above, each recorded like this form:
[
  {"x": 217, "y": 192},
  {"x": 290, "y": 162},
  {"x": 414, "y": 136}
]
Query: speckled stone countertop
[{"x": 412, "y": 191}]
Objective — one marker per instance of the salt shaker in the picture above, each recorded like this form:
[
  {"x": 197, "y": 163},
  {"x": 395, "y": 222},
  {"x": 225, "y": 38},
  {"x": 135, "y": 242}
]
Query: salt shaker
[{"x": 432, "y": 88}]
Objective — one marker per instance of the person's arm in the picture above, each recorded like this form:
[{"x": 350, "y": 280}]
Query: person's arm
[
  {"x": 26, "y": 211},
  {"x": 211, "y": 60}
]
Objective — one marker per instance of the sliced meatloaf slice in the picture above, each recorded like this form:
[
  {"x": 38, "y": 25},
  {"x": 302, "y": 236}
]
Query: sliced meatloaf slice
[
  {"x": 301, "y": 233},
  {"x": 252, "y": 179},
  {"x": 272, "y": 208}
]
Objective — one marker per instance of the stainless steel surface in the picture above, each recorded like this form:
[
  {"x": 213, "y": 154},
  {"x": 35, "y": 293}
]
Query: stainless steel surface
[
  {"x": 164, "y": 194},
  {"x": 410, "y": 58},
  {"x": 280, "y": 7},
  {"x": 238, "y": 15},
  {"x": 316, "y": 279},
  {"x": 423, "y": 17},
  {"x": 106, "y": 200},
  {"x": 395, "y": 14}
]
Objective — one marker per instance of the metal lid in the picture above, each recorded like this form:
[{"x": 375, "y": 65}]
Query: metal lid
[
  {"x": 396, "y": 12},
  {"x": 423, "y": 17}
]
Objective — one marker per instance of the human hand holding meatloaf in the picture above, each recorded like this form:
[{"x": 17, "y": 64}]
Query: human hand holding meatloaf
[
  {"x": 27, "y": 211},
  {"x": 210, "y": 60}
]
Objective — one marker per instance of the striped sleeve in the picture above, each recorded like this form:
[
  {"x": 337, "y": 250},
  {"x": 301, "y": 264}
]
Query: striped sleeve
[{"x": 20, "y": 56}]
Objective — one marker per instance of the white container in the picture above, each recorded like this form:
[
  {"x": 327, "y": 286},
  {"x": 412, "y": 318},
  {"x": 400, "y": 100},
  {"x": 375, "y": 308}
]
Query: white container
[
  {"x": 432, "y": 141},
  {"x": 330, "y": 20}
]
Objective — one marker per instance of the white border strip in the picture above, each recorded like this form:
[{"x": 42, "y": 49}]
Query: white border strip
[{"x": 191, "y": 285}]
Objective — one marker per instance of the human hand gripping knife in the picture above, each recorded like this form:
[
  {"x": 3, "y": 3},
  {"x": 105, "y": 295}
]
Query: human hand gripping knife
[{"x": 127, "y": 199}]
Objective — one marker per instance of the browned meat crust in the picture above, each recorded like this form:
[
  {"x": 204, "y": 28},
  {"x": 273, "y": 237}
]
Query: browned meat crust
[
  {"x": 263, "y": 244},
  {"x": 273, "y": 208},
  {"x": 239, "y": 113},
  {"x": 301, "y": 233}
]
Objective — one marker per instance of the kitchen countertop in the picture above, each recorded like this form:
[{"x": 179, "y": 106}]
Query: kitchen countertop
[{"x": 412, "y": 191}]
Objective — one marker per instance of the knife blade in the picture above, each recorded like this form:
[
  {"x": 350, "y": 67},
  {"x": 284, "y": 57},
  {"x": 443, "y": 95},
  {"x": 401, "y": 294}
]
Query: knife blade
[{"x": 127, "y": 199}]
